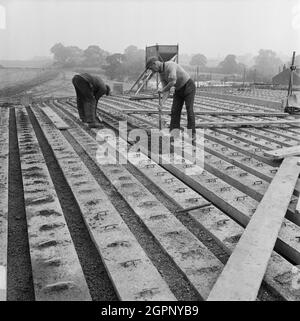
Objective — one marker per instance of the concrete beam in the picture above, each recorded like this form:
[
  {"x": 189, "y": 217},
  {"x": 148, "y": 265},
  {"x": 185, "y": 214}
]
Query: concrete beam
[{"x": 57, "y": 121}]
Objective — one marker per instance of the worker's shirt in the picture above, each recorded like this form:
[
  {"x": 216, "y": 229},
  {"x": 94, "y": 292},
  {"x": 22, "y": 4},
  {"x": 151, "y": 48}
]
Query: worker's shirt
[
  {"x": 173, "y": 72},
  {"x": 96, "y": 83}
]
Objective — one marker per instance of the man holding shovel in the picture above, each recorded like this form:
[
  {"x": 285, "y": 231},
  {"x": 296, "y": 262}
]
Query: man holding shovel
[{"x": 172, "y": 74}]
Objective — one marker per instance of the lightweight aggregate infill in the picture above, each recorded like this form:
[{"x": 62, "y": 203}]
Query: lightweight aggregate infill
[{"x": 19, "y": 272}]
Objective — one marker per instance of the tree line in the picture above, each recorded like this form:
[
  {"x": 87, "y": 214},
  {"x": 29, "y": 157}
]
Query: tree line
[
  {"x": 131, "y": 63},
  {"x": 117, "y": 66},
  {"x": 266, "y": 65}
]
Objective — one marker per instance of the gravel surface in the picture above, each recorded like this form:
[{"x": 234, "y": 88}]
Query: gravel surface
[{"x": 19, "y": 276}]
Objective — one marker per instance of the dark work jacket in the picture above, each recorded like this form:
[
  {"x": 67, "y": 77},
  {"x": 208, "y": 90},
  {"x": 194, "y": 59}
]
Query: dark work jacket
[{"x": 96, "y": 83}]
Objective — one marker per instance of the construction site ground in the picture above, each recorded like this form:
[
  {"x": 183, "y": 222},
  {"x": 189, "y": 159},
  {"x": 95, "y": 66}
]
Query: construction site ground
[{"x": 74, "y": 229}]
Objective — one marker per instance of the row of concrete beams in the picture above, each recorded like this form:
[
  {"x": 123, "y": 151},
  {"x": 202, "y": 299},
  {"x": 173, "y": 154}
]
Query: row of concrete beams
[
  {"x": 133, "y": 275},
  {"x": 56, "y": 270},
  {"x": 159, "y": 175}
]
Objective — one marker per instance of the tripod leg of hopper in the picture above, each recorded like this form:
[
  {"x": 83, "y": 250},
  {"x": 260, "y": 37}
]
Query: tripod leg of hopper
[{"x": 159, "y": 111}]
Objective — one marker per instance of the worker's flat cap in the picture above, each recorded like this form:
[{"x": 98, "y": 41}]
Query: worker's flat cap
[{"x": 150, "y": 61}]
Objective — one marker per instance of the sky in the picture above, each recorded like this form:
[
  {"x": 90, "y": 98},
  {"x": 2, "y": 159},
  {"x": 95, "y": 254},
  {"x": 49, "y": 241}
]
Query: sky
[{"x": 215, "y": 28}]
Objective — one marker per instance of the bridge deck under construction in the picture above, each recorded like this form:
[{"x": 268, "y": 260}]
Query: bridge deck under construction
[{"x": 72, "y": 228}]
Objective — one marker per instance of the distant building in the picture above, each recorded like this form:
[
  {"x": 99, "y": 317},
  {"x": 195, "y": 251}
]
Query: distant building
[{"x": 283, "y": 78}]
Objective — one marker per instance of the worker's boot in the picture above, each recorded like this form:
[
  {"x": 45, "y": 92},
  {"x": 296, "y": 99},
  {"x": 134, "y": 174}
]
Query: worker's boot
[
  {"x": 192, "y": 138},
  {"x": 95, "y": 125}
]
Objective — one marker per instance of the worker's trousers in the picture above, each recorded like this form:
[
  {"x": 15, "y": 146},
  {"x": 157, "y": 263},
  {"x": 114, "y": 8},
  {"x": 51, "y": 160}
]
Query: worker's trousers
[
  {"x": 185, "y": 94},
  {"x": 86, "y": 102}
]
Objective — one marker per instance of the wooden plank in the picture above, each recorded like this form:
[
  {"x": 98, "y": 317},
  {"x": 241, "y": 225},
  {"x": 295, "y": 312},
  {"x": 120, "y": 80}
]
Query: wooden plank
[
  {"x": 224, "y": 230},
  {"x": 143, "y": 97},
  {"x": 283, "y": 152},
  {"x": 189, "y": 254},
  {"x": 56, "y": 270},
  {"x": 241, "y": 278},
  {"x": 166, "y": 96},
  {"x": 57, "y": 121},
  {"x": 133, "y": 275},
  {"x": 248, "y": 123},
  {"x": 211, "y": 113},
  {"x": 4, "y": 154}
]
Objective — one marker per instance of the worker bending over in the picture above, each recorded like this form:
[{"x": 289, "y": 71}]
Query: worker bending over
[
  {"x": 89, "y": 89},
  {"x": 171, "y": 74}
]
